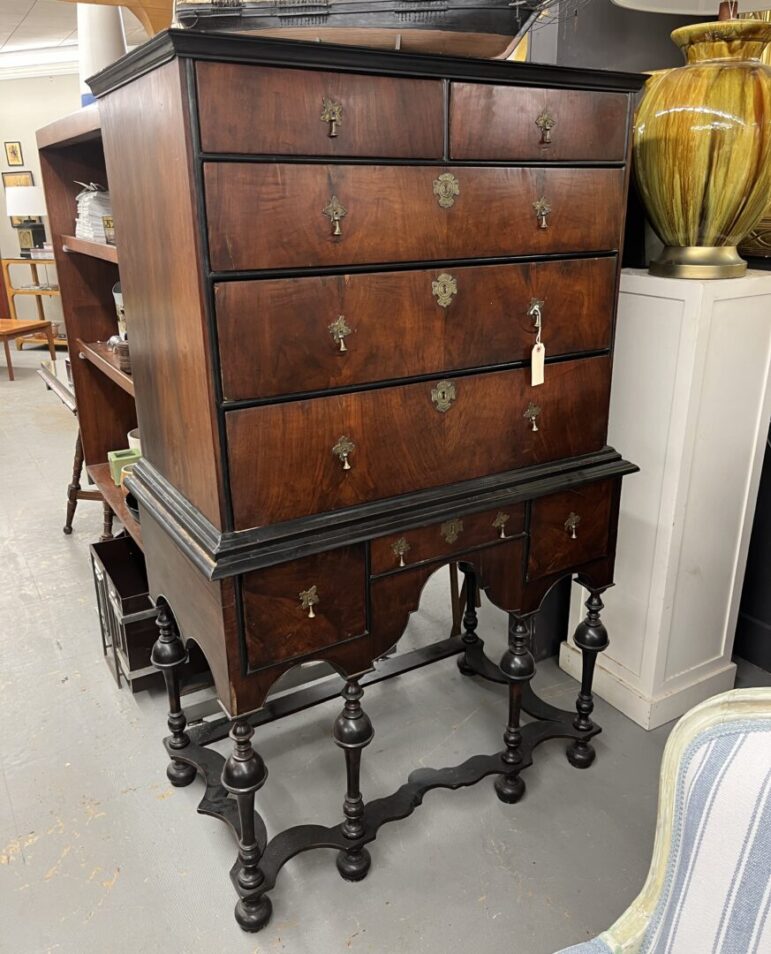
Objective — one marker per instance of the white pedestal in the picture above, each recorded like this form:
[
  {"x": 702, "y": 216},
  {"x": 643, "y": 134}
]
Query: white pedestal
[{"x": 690, "y": 404}]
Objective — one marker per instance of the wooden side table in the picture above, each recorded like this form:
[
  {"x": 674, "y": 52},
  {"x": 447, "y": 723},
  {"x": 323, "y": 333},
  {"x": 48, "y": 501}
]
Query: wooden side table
[
  {"x": 38, "y": 290},
  {"x": 11, "y": 329}
]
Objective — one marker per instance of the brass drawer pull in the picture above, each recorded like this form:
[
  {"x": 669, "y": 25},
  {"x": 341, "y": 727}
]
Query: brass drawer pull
[
  {"x": 332, "y": 113},
  {"x": 500, "y": 523},
  {"x": 443, "y": 394},
  {"x": 451, "y": 530},
  {"x": 446, "y": 188},
  {"x": 339, "y": 329},
  {"x": 546, "y": 122},
  {"x": 335, "y": 211},
  {"x": 308, "y": 599},
  {"x": 535, "y": 311},
  {"x": 571, "y": 525},
  {"x": 400, "y": 548},
  {"x": 542, "y": 212},
  {"x": 531, "y": 414},
  {"x": 444, "y": 288},
  {"x": 342, "y": 449}
]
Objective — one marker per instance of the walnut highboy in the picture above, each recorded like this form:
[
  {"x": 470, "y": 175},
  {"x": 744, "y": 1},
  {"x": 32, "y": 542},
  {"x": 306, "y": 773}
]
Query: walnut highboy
[{"x": 336, "y": 263}]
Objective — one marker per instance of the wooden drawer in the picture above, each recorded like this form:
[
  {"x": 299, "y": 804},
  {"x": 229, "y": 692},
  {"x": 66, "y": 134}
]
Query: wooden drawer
[
  {"x": 282, "y": 337},
  {"x": 279, "y": 626},
  {"x": 553, "y": 546},
  {"x": 441, "y": 540},
  {"x": 266, "y": 215},
  {"x": 273, "y": 111},
  {"x": 517, "y": 123},
  {"x": 284, "y": 459}
]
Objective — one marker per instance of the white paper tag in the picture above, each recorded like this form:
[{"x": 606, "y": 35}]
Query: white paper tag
[{"x": 536, "y": 363}]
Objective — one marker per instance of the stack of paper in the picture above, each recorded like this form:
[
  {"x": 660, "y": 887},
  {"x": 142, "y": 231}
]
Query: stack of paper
[{"x": 93, "y": 206}]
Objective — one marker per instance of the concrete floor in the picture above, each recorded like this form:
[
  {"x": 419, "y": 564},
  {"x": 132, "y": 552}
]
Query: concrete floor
[{"x": 99, "y": 854}]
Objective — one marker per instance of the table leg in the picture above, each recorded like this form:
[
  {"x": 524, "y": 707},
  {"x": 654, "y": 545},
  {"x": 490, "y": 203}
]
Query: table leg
[
  {"x": 107, "y": 525},
  {"x": 8, "y": 359},
  {"x": 51, "y": 344},
  {"x": 74, "y": 487}
]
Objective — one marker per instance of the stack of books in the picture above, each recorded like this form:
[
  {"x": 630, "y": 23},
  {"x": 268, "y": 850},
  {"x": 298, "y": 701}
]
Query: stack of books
[{"x": 94, "y": 206}]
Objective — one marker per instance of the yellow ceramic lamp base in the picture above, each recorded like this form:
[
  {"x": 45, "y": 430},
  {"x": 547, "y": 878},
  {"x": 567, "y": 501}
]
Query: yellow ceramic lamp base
[{"x": 699, "y": 261}]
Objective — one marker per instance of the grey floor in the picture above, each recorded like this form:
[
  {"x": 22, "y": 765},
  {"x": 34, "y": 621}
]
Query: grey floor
[{"x": 99, "y": 854}]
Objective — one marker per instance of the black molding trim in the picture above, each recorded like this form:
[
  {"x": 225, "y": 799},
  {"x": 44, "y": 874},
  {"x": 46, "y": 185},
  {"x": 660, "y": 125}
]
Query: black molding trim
[
  {"x": 220, "y": 555},
  {"x": 267, "y": 51}
]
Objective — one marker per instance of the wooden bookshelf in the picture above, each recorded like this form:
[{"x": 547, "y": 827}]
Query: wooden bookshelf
[
  {"x": 102, "y": 357},
  {"x": 100, "y": 474},
  {"x": 107, "y": 253}
]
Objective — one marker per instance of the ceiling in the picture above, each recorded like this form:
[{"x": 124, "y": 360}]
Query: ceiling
[{"x": 39, "y": 37}]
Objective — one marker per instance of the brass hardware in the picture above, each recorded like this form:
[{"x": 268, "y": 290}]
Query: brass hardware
[
  {"x": 532, "y": 412},
  {"x": 500, "y": 523},
  {"x": 339, "y": 329},
  {"x": 332, "y": 113},
  {"x": 342, "y": 449},
  {"x": 571, "y": 524},
  {"x": 546, "y": 122},
  {"x": 308, "y": 599},
  {"x": 335, "y": 210},
  {"x": 443, "y": 394},
  {"x": 451, "y": 530},
  {"x": 400, "y": 548},
  {"x": 535, "y": 312},
  {"x": 444, "y": 289},
  {"x": 542, "y": 210},
  {"x": 446, "y": 187}
]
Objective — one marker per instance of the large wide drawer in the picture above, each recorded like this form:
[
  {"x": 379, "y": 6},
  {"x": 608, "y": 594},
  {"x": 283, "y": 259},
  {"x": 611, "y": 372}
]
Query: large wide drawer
[
  {"x": 273, "y": 111},
  {"x": 303, "y": 457},
  {"x": 517, "y": 123},
  {"x": 268, "y": 215},
  {"x": 279, "y": 336}
]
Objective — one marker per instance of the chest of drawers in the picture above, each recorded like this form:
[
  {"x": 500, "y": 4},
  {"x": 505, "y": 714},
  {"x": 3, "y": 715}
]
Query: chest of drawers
[{"x": 336, "y": 264}]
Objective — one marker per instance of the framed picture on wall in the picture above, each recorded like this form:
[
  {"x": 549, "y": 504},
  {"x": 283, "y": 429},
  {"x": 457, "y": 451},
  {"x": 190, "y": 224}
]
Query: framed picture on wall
[
  {"x": 18, "y": 179},
  {"x": 26, "y": 238},
  {"x": 13, "y": 154},
  {"x": 18, "y": 220}
]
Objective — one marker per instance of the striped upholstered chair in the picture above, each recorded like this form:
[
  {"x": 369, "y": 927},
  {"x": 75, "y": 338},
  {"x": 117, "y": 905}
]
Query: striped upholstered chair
[{"x": 708, "y": 890}]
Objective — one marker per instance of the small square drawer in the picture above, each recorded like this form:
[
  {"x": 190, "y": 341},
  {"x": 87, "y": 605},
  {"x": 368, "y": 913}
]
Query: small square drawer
[
  {"x": 517, "y": 123},
  {"x": 264, "y": 110},
  {"x": 299, "y": 608},
  {"x": 456, "y": 535},
  {"x": 570, "y": 528}
]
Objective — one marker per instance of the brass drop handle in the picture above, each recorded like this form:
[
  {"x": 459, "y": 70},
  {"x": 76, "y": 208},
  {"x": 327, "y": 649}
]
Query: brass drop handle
[
  {"x": 342, "y": 449},
  {"x": 308, "y": 599},
  {"x": 571, "y": 525},
  {"x": 542, "y": 211},
  {"x": 332, "y": 113},
  {"x": 531, "y": 414},
  {"x": 400, "y": 548},
  {"x": 335, "y": 212},
  {"x": 339, "y": 329},
  {"x": 535, "y": 311},
  {"x": 546, "y": 122},
  {"x": 500, "y": 522}
]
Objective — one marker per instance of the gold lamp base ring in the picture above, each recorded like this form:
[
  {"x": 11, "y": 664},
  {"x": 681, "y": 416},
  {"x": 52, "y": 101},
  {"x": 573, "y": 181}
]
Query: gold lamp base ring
[{"x": 699, "y": 261}]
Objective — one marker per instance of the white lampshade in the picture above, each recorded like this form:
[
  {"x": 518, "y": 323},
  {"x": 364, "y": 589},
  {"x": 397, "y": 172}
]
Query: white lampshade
[
  {"x": 25, "y": 200},
  {"x": 706, "y": 8}
]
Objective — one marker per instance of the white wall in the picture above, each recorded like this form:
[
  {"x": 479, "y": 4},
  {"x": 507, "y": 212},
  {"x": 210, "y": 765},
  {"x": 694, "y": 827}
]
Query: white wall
[{"x": 25, "y": 106}]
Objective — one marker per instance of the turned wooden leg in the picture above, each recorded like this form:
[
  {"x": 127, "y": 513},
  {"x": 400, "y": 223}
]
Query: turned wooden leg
[
  {"x": 74, "y": 487},
  {"x": 591, "y": 637},
  {"x": 518, "y": 666},
  {"x": 243, "y": 775},
  {"x": 107, "y": 515},
  {"x": 353, "y": 732},
  {"x": 168, "y": 654},
  {"x": 470, "y": 619},
  {"x": 8, "y": 361}
]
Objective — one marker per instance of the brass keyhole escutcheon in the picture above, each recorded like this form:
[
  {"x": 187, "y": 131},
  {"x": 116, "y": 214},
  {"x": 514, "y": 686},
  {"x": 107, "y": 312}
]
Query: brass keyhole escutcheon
[
  {"x": 444, "y": 288},
  {"x": 443, "y": 394},
  {"x": 342, "y": 449},
  {"x": 308, "y": 599},
  {"x": 542, "y": 212},
  {"x": 546, "y": 122},
  {"x": 531, "y": 413},
  {"x": 335, "y": 212},
  {"x": 332, "y": 113},
  {"x": 446, "y": 189},
  {"x": 500, "y": 522},
  {"x": 400, "y": 548},
  {"x": 339, "y": 329},
  {"x": 571, "y": 525},
  {"x": 452, "y": 529}
]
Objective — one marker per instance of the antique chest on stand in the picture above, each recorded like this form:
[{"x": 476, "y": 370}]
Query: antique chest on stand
[{"x": 341, "y": 268}]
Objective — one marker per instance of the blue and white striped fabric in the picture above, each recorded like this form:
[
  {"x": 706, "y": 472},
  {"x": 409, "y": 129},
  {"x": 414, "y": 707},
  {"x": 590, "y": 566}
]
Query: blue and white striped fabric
[{"x": 588, "y": 947}]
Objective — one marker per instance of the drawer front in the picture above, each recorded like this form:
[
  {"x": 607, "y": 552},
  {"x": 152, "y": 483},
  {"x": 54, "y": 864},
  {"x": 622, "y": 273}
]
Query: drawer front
[
  {"x": 288, "y": 460},
  {"x": 453, "y": 536},
  {"x": 570, "y": 528},
  {"x": 273, "y": 111},
  {"x": 516, "y": 123},
  {"x": 266, "y": 215},
  {"x": 295, "y": 609},
  {"x": 280, "y": 336}
]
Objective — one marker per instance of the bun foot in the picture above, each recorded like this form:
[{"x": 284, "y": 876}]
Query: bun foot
[
  {"x": 252, "y": 914},
  {"x": 509, "y": 788},
  {"x": 180, "y": 774},
  {"x": 354, "y": 865},
  {"x": 464, "y": 667},
  {"x": 67, "y": 530},
  {"x": 581, "y": 754}
]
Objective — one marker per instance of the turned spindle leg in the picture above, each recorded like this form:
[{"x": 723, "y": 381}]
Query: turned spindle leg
[
  {"x": 168, "y": 654},
  {"x": 470, "y": 620},
  {"x": 518, "y": 666},
  {"x": 591, "y": 637},
  {"x": 353, "y": 732},
  {"x": 74, "y": 487},
  {"x": 107, "y": 516},
  {"x": 244, "y": 774}
]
